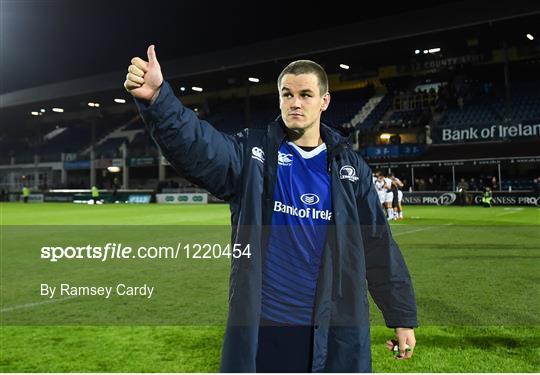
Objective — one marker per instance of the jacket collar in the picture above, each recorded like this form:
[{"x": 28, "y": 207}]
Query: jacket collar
[{"x": 335, "y": 142}]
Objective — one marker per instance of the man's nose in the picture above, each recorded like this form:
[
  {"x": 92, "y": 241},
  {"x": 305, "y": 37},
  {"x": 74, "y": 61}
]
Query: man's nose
[{"x": 295, "y": 102}]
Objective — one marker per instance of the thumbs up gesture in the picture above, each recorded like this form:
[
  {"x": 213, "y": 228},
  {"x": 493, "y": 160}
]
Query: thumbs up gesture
[{"x": 144, "y": 78}]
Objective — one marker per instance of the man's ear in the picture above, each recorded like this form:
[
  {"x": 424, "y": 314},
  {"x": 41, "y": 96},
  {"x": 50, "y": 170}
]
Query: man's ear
[{"x": 326, "y": 102}]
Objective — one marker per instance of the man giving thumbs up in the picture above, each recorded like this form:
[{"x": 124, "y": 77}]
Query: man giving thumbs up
[
  {"x": 304, "y": 203},
  {"x": 144, "y": 79}
]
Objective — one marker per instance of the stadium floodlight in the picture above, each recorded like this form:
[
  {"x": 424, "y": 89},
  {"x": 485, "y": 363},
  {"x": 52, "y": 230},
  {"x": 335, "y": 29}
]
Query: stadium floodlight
[
  {"x": 416, "y": 51},
  {"x": 385, "y": 136},
  {"x": 42, "y": 110},
  {"x": 113, "y": 169},
  {"x": 91, "y": 104},
  {"x": 182, "y": 88},
  {"x": 530, "y": 36},
  {"x": 426, "y": 52},
  {"x": 344, "y": 66},
  {"x": 198, "y": 89},
  {"x": 96, "y": 105},
  {"x": 434, "y": 50},
  {"x": 253, "y": 79},
  {"x": 59, "y": 110},
  {"x": 120, "y": 101},
  {"x": 34, "y": 113}
]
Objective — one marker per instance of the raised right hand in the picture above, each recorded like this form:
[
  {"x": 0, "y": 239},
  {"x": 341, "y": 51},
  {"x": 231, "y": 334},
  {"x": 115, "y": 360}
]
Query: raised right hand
[{"x": 144, "y": 79}]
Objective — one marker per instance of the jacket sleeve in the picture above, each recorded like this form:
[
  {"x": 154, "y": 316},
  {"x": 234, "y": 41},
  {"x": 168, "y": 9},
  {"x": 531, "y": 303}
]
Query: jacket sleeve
[
  {"x": 202, "y": 154},
  {"x": 388, "y": 278}
]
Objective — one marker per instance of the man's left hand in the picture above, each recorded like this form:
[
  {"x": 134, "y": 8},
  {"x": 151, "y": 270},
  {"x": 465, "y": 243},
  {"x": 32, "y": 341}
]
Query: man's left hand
[{"x": 404, "y": 336}]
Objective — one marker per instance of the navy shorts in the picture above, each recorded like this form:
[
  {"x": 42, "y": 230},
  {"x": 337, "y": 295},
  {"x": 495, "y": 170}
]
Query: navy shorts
[{"x": 284, "y": 348}]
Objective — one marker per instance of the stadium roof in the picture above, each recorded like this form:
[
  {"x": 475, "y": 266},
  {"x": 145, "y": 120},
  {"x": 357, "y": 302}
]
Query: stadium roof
[
  {"x": 65, "y": 39},
  {"x": 64, "y": 49}
]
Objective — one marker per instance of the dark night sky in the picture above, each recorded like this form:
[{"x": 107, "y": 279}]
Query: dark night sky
[{"x": 46, "y": 41}]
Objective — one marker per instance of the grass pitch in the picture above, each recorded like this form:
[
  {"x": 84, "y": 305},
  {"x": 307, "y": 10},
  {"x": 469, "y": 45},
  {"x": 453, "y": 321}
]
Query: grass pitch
[{"x": 475, "y": 273}]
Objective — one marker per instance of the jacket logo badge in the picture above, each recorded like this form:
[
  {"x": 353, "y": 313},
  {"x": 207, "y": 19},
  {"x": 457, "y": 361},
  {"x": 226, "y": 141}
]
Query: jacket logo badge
[
  {"x": 257, "y": 154},
  {"x": 348, "y": 172},
  {"x": 310, "y": 199},
  {"x": 284, "y": 159}
]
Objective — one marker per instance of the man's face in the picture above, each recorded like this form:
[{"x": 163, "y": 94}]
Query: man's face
[{"x": 301, "y": 102}]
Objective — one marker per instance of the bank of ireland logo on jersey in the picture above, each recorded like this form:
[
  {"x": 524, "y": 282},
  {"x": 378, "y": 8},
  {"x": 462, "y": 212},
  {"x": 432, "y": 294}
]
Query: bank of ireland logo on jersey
[
  {"x": 284, "y": 159},
  {"x": 348, "y": 172},
  {"x": 309, "y": 199},
  {"x": 257, "y": 154}
]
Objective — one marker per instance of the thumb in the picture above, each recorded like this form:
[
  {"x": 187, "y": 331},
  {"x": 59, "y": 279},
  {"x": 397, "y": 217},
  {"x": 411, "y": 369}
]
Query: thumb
[{"x": 151, "y": 52}]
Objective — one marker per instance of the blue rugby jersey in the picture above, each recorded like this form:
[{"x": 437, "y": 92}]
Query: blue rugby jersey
[{"x": 302, "y": 211}]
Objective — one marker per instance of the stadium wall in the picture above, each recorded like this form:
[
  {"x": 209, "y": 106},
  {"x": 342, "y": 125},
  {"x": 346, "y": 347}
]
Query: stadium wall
[{"x": 473, "y": 198}]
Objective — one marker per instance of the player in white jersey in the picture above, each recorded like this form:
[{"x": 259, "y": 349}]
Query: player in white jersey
[
  {"x": 398, "y": 196},
  {"x": 388, "y": 198},
  {"x": 379, "y": 186}
]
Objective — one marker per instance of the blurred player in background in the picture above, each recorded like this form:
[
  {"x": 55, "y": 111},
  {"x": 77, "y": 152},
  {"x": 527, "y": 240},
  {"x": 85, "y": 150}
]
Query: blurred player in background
[
  {"x": 388, "y": 198},
  {"x": 397, "y": 185},
  {"x": 25, "y": 193},
  {"x": 380, "y": 188},
  {"x": 487, "y": 196}
]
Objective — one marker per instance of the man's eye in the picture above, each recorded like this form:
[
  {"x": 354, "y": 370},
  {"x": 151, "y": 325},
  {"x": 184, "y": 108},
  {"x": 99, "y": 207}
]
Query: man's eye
[
  {"x": 287, "y": 95},
  {"x": 306, "y": 95}
]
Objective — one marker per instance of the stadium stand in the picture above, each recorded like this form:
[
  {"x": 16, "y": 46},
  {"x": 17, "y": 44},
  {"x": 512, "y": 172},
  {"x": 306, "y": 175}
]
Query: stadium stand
[
  {"x": 524, "y": 103},
  {"x": 375, "y": 115},
  {"x": 110, "y": 147},
  {"x": 345, "y": 105},
  {"x": 142, "y": 145},
  {"x": 135, "y": 125},
  {"x": 484, "y": 107},
  {"x": 398, "y": 117}
]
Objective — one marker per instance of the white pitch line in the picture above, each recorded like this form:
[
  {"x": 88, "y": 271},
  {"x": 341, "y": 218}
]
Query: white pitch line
[
  {"x": 510, "y": 211},
  {"x": 418, "y": 230},
  {"x": 34, "y": 304}
]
